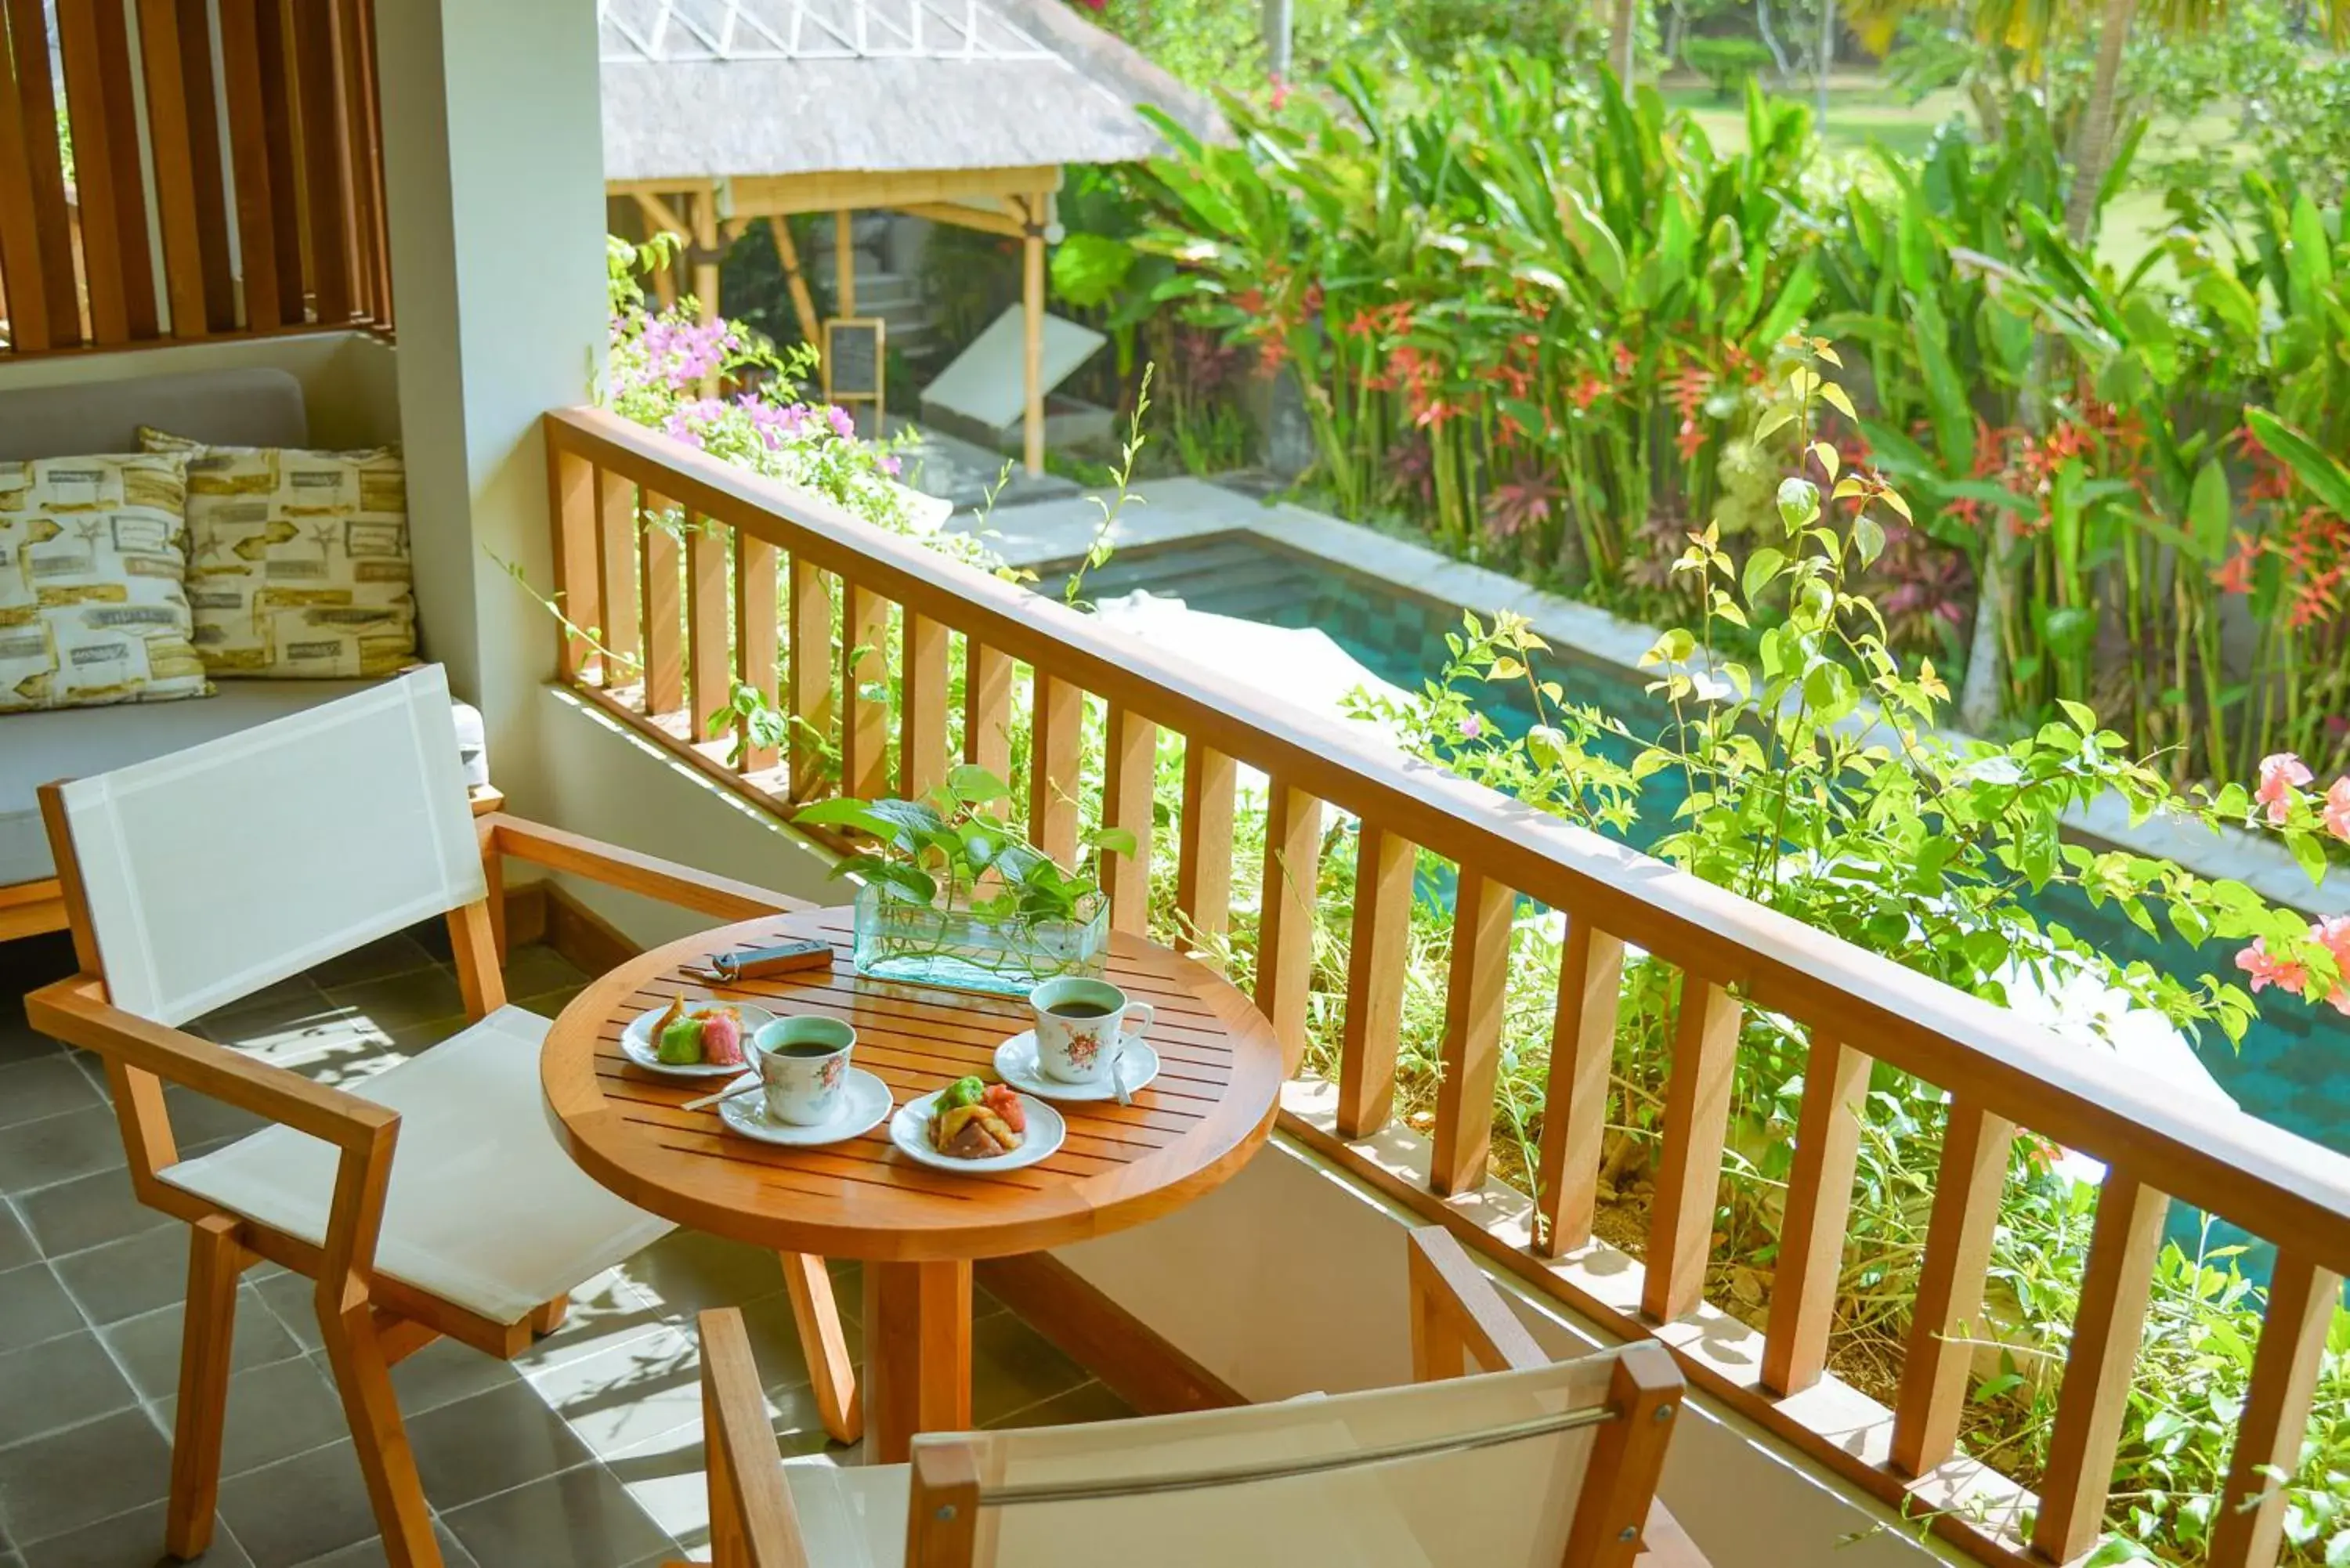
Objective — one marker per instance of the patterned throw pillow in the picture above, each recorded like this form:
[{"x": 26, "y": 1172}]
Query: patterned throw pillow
[
  {"x": 299, "y": 561},
  {"x": 93, "y": 551}
]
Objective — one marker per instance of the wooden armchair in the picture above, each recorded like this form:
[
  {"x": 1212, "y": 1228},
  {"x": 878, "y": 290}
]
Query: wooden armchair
[
  {"x": 198, "y": 878},
  {"x": 1535, "y": 1464}
]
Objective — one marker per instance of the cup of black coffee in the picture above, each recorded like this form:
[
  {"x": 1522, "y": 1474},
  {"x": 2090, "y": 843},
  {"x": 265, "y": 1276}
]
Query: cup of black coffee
[
  {"x": 803, "y": 1063},
  {"x": 1081, "y": 1025}
]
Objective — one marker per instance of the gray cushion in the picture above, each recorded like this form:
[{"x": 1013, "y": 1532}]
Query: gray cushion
[
  {"x": 256, "y": 406},
  {"x": 74, "y": 742}
]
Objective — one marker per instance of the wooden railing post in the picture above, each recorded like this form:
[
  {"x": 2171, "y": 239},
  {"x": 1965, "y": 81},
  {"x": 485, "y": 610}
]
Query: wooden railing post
[
  {"x": 1819, "y": 1206},
  {"x": 1375, "y": 969},
  {"x": 2094, "y": 1396},
  {"x": 810, "y": 700},
  {"x": 2248, "y": 1526},
  {"x": 923, "y": 719},
  {"x": 1574, "y": 1110},
  {"x": 1975, "y": 1146},
  {"x": 1475, "y": 991},
  {"x": 663, "y": 615},
  {"x": 615, "y": 576},
  {"x": 708, "y": 656},
  {"x": 755, "y": 610},
  {"x": 1688, "y": 1175},
  {"x": 1203, "y": 858},
  {"x": 864, "y": 715},
  {"x": 987, "y": 708},
  {"x": 570, "y": 507},
  {"x": 1284, "y": 947},
  {"x": 1131, "y": 766},
  {"x": 1056, "y": 726}
]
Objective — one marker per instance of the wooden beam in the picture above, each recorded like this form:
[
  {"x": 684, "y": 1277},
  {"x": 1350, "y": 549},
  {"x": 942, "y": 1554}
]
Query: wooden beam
[
  {"x": 1375, "y": 971},
  {"x": 1697, "y": 1122},
  {"x": 1031, "y": 333},
  {"x": 843, "y": 262},
  {"x": 1474, "y": 995},
  {"x": 788, "y": 254},
  {"x": 1819, "y": 1203},
  {"x": 955, "y": 215},
  {"x": 1575, "y": 1107},
  {"x": 780, "y": 195}
]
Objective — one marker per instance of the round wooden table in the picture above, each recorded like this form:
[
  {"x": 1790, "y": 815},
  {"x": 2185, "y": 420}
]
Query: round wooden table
[{"x": 916, "y": 1229}]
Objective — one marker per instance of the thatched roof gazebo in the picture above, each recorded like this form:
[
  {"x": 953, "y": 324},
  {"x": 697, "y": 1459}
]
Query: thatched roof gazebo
[{"x": 718, "y": 113}]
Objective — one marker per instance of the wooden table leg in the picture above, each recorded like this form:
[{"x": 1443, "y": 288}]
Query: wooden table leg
[
  {"x": 917, "y": 1355},
  {"x": 818, "y": 1317}
]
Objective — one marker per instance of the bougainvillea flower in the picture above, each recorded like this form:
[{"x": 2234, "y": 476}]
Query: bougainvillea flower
[
  {"x": 2282, "y": 776},
  {"x": 2336, "y": 815},
  {"x": 2265, "y": 970}
]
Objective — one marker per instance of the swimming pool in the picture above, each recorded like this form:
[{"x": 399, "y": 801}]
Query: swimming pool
[{"x": 2293, "y": 1068}]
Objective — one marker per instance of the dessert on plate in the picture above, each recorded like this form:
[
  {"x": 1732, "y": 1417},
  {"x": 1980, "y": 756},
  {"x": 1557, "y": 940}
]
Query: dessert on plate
[
  {"x": 977, "y": 1120},
  {"x": 713, "y": 1036}
]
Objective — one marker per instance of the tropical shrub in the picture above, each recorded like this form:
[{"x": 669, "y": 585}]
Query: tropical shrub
[{"x": 1728, "y": 61}]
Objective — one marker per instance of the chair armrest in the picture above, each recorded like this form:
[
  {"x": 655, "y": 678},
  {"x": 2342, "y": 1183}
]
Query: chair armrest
[
  {"x": 1455, "y": 1308},
  {"x": 666, "y": 880},
  {"x": 752, "y": 1520},
  {"x": 75, "y": 1010}
]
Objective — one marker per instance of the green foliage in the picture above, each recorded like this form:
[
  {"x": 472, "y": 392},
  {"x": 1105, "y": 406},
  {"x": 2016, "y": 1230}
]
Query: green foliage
[
  {"x": 1728, "y": 61},
  {"x": 951, "y": 850}
]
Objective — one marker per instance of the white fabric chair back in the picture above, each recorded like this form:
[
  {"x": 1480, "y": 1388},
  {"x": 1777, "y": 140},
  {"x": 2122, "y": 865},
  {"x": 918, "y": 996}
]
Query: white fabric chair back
[
  {"x": 1470, "y": 1472},
  {"x": 219, "y": 870}
]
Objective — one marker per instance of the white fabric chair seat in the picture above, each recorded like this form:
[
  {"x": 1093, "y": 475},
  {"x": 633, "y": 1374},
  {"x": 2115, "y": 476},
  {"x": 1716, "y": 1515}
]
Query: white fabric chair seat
[
  {"x": 484, "y": 1209},
  {"x": 852, "y": 1516}
]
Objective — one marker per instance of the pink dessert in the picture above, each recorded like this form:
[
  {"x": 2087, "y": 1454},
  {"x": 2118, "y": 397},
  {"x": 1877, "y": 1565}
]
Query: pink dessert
[{"x": 721, "y": 1037}]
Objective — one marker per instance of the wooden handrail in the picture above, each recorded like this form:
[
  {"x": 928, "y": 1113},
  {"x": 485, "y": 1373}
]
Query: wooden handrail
[
  {"x": 853, "y": 588},
  {"x": 2283, "y": 1188}
]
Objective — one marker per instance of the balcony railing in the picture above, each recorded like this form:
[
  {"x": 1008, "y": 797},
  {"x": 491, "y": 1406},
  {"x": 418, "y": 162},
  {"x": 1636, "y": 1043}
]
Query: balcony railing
[
  {"x": 695, "y": 625},
  {"x": 256, "y": 145}
]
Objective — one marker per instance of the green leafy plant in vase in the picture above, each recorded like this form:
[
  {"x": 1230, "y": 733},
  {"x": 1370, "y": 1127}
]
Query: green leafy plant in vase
[{"x": 955, "y": 896}]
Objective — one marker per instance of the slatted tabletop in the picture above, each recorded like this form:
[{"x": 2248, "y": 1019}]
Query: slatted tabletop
[{"x": 1210, "y": 1106}]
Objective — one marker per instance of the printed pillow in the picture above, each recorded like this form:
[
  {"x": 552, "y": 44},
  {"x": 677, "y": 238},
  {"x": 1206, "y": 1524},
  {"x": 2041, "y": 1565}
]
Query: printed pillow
[
  {"x": 93, "y": 551},
  {"x": 299, "y": 561}
]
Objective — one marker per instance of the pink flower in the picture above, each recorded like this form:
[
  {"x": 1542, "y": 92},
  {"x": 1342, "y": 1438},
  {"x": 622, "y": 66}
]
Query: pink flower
[
  {"x": 2336, "y": 815},
  {"x": 842, "y": 425},
  {"x": 2282, "y": 774},
  {"x": 1471, "y": 727},
  {"x": 2255, "y": 961}
]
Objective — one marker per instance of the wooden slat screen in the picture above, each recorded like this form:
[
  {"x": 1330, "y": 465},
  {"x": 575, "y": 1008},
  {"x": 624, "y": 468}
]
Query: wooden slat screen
[{"x": 262, "y": 169}]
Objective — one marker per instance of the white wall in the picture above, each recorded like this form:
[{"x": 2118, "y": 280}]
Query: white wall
[
  {"x": 350, "y": 383},
  {"x": 493, "y": 176}
]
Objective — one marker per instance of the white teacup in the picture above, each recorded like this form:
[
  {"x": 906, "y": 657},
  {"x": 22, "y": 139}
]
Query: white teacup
[
  {"x": 1080, "y": 1026},
  {"x": 803, "y": 1061}
]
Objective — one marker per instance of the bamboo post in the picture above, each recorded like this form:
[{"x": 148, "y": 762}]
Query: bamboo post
[
  {"x": 844, "y": 263},
  {"x": 1032, "y": 322},
  {"x": 788, "y": 253}
]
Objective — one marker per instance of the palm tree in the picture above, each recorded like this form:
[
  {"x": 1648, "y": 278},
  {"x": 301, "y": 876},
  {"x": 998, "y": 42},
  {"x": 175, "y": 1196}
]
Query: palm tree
[{"x": 1623, "y": 41}]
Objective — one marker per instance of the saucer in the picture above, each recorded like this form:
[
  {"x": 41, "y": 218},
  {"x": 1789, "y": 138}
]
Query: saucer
[
  {"x": 637, "y": 1040},
  {"x": 864, "y": 1101},
  {"x": 1016, "y": 1065},
  {"x": 910, "y": 1129}
]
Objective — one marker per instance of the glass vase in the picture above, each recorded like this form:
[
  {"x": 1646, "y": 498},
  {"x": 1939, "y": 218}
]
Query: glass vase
[{"x": 922, "y": 944}]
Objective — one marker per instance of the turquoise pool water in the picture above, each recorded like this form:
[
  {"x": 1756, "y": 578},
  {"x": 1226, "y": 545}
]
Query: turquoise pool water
[{"x": 2293, "y": 1068}]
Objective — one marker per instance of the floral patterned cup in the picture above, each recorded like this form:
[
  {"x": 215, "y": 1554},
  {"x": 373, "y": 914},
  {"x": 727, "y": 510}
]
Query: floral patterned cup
[
  {"x": 1079, "y": 1026},
  {"x": 803, "y": 1061}
]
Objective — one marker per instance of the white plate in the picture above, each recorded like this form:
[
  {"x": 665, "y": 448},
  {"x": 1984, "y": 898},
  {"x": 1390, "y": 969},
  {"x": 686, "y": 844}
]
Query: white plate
[
  {"x": 1016, "y": 1065},
  {"x": 910, "y": 1129},
  {"x": 637, "y": 1040},
  {"x": 864, "y": 1101}
]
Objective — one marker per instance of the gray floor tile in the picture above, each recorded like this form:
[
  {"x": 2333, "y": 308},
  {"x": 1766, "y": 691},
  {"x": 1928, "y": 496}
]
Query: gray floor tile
[
  {"x": 34, "y": 1307},
  {"x": 446, "y": 1372},
  {"x": 624, "y": 1395},
  {"x": 299, "y": 1509},
  {"x": 62, "y": 1481},
  {"x": 1014, "y": 1367},
  {"x": 88, "y": 1211},
  {"x": 289, "y": 1007},
  {"x": 43, "y": 1086},
  {"x": 1086, "y": 1402},
  {"x": 548, "y": 1003},
  {"x": 198, "y": 1119},
  {"x": 537, "y": 969},
  {"x": 148, "y": 1346},
  {"x": 132, "y": 1539},
  {"x": 776, "y": 1340},
  {"x": 687, "y": 1271},
  {"x": 298, "y": 1032},
  {"x": 275, "y": 1412},
  {"x": 369, "y": 1553},
  {"x": 402, "y": 1001},
  {"x": 584, "y": 1518},
  {"x": 62, "y": 1382},
  {"x": 605, "y": 1312},
  {"x": 292, "y": 1300},
  {"x": 59, "y": 1148},
  {"x": 126, "y": 1277},
  {"x": 20, "y": 1041},
  {"x": 17, "y": 1248},
  {"x": 490, "y": 1443},
  {"x": 667, "y": 1476},
  {"x": 398, "y": 954}
]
